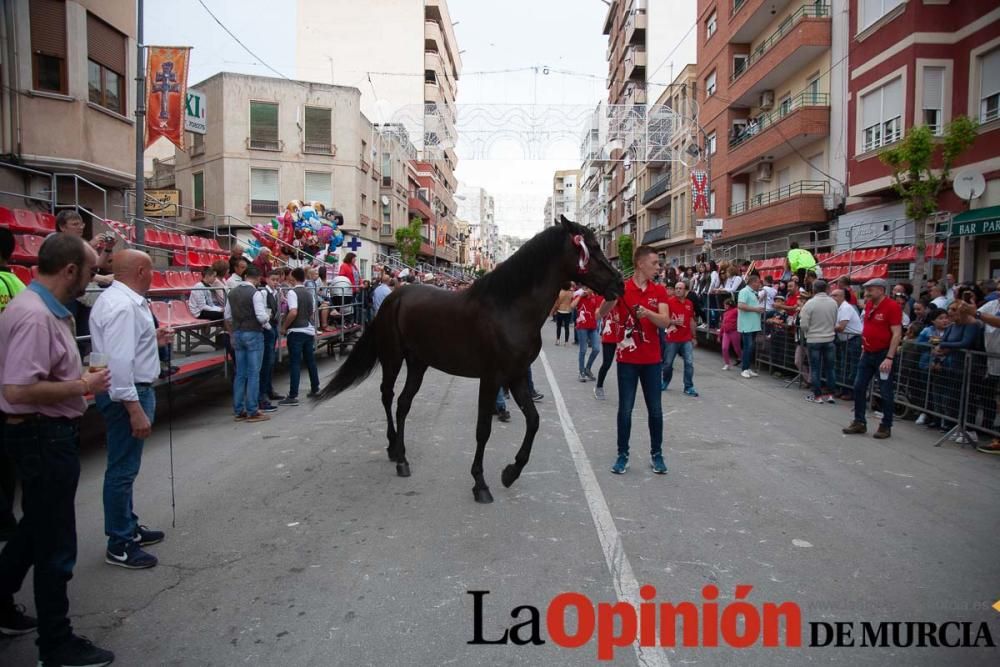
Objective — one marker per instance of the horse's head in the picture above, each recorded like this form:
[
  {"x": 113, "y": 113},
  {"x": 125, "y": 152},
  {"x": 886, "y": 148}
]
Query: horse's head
[{"x": 587, "y": 263}]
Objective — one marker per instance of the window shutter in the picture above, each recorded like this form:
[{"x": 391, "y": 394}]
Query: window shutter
[
  {"x": 317, "y": 129},
  {"x": 892, "y": 99},
  {"x": 48, "y": 27},
  {"x": 264, "y": 122},
  {"x": 318, "y": 188},
  {"x": 264, "y": 184},
  {"x": 871, "y": 108},
  {"x": 105, "y": 45},
  {"x": 933, "y": 87},
  {"x": 990, "y": 67}
]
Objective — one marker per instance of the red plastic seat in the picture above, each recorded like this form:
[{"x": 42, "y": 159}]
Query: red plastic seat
[
  {"x": 153, "y": 237},
  {"x": 159, "y": 280},
  {"x": 183, "y": 313},
  {"x": 181, "y": 258},
  {"x": 191, "y": 279},
  {"x": 213, "y": 245},
  {"x": 175, "y": 279},
  {"x": 22, "y": 272},
  {"x": 46, "y": 222},
  {"x": 26, "y": 249},
  {"x": 26, "y": 221},
  {"x": 7, "y": 217},
  {"x": 173, "y": 240}
]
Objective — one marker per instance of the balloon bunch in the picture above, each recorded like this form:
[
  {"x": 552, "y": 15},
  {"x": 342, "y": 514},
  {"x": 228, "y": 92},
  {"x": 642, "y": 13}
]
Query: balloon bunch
[{"x": 310, "y": 227}]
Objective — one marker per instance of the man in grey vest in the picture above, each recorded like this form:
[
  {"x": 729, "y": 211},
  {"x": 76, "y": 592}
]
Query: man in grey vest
[
  {"x": 246, "y": 320},
  {"x": 301, "y": 337}
]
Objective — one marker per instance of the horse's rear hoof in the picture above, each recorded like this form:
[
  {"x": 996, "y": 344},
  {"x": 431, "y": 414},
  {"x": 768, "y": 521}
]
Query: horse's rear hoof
[
  {"x": 403, "y": 469},
  {"x": 391, "y": 454},
  {"x": 482, "y": 495},
  {"x": 509, "y": 475}
]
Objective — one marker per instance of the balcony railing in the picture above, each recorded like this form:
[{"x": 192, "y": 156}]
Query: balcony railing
[
  {"x": 263, "y": 207},
  {"x": 805, "y": 11},
  {"x": 656, "y": 234},
  {"x": 764, "y": 121},
  {"x": 660, "y": 186},
  {"x": 766, "y": 198}
]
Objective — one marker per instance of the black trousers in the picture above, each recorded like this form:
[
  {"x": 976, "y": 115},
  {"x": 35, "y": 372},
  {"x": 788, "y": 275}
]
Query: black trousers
[{"x": 46, "y": 454}]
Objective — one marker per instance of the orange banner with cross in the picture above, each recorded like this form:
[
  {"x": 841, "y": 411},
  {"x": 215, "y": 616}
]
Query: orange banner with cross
[{"x": 166, "y": 90}]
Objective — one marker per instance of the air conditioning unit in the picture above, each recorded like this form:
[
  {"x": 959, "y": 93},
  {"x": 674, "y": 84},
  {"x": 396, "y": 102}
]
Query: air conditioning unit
[
  {"x": 767, "y": 100},
  {"x": 764, "y": 170}
]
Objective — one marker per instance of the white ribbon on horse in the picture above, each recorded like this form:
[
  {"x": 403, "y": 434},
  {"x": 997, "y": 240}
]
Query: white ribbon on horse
[{"x": 584, "y": 252}]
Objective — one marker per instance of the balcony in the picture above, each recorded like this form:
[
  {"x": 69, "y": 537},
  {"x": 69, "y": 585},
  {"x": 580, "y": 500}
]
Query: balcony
[
  {"x": 635, "y": 63},
  {"x": 635, "y": 94},
  {"x": 432, "y": 93},
  {"x": 795, "y": 204},
  {"x": 655, "y": 234},
  {"x": 793, "y": 125},
  {"x": 750, "y": 17},
  {"x": 432, "y": 33},
  {"x": 419, "y": 206},
  {"x": 799, "y": 40},
  {"x": 635, "y": 27},
  {"x": 655, "y": 191}
]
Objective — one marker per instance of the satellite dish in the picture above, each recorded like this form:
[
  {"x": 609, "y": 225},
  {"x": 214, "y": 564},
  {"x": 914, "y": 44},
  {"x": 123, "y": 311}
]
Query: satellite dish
[
  {"x": 385, "y": 200},
  {"x": 969, "y": 184}
]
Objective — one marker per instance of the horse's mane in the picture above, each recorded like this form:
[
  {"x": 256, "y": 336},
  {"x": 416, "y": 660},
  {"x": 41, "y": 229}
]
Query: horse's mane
[{"x": 518, "y": 274}]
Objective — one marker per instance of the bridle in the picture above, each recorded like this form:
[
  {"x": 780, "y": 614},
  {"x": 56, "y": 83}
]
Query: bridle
[{"x": 584, "y": 260}]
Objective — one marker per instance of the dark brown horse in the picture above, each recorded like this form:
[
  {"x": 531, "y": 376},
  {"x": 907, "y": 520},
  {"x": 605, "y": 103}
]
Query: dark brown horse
[{"x": 491, "y": 331}]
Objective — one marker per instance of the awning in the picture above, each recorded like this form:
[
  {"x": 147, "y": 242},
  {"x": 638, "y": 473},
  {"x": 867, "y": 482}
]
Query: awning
[{"x": 977, "y": 222}]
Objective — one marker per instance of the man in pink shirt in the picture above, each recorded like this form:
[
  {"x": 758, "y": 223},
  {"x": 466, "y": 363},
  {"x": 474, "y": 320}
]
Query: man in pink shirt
[{"x": 42, "y": 399}]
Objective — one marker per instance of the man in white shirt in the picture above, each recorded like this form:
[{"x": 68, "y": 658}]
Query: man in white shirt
[
  {"x": 236, "y": 277},
  {"x": 301, "y": 337},
  {"x": 938, "y": 297},
  {"x": 381, "y": 292},
  {"x": 201, "y": 302},
  {"x": 122, "y": 328},
  {"x": 767, "y": 294},
  {"x": 848, "y": 339},
  {"x": 247, "y": 319}
]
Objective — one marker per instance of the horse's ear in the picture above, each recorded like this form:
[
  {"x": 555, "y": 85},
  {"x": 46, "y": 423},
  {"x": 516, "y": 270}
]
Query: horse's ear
[{"x": 567, "y": 224}]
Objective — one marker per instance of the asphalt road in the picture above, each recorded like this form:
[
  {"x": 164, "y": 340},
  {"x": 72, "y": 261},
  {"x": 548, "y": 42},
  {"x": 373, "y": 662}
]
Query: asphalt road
[{"x": 296, "y": 544}]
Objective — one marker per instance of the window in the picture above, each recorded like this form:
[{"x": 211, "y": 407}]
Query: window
[
  {"x": 106, "y": 65},
  {"x": 198, "y": 190},
  {"x": 873, "y": 10},
  {"x": 739, "y": 65},
  {"x": 710, "y": 85},
  {"x": 711, "y": 25},
  {"x": 785, "y": 105},
  {"x": 812, "y": 89},
  {"x": 989, "y": 86},
  {"x": 386, "y": 212},
  {"x": 386, "y": 230},
  {"x": 932, "y": 109},
  {"x": 710, "y": 144},
  {"x": 386, "y": 170},
  {"x": 197, "y": 144},
  {"x": 263, "y": 191},
  {"x": 48, "y": 45},
  {"x": 264, "y": 126},
  {"x": 881, "y": 116},
  {"x": 317, "y": 131},
  {"x": 317, "y": 187},
  {"x": 711, "y": 202}
]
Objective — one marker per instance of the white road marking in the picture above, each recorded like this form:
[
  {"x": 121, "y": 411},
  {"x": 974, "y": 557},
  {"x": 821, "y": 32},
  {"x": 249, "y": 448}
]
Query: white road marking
[{"x": 622, "y": 577}]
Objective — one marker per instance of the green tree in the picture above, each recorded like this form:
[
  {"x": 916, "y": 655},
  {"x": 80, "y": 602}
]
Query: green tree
[
  {"x": 626, "y": 246},
  {"x": 408, "y": 240},
  {"x": 918, "y": 180}
]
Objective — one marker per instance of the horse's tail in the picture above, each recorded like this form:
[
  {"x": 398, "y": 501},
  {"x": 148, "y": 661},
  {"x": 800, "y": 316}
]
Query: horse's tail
[{"x": 359, "y": 364}]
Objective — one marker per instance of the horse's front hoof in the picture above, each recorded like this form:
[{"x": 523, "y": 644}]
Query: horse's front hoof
[
  {"x": 509, "y": 475},
  {"x": 403, "y": 469},
  {"x": 482, "y": 495}
]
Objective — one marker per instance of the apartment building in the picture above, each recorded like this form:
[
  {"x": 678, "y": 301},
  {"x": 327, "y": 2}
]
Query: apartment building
[
  {"x": 397, "y": 157},
  {"x": 477, "y": 207},
  {"x": 565, "y": 190},
  {"x": 665, "y": 219},
  {"x": 68, "y": 102},
  {"x": 771, "y": 104},
  {"x": 271, "y": 140},
  {"x": 405, "y": 53},
  {"x": 592, "y": 197},
  {"x": 924, "y": 63}
]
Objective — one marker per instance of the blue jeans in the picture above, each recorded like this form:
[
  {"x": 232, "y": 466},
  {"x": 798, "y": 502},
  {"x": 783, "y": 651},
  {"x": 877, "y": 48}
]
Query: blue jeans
[
  {"x": 501, "y": 405},
  {"x": 867, "y": 369},
  {"x": 686, "y": 350},
  {"x": 46, "y": 455},
  {"x": 124, "y": 458},
  {"x": 747, "y": 340},
  {"x": 629, "y": 377},
  {"x": 822, "y": 364},
  {"x": 267, "y": 364},
  {"x": 249, "y": 347},
  {"x": 585, "y": 337},
  {"x": 301, "y": 346}
]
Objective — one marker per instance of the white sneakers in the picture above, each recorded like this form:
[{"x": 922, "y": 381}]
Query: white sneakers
[
  {"x": 922, "y": 419},
  {"x": 725, "y": 367},
  {"x": 748, "y": 374}
]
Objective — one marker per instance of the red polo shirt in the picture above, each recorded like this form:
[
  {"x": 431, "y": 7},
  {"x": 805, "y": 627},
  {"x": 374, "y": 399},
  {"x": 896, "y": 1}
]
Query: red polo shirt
[
  {"x": 680, "y": 308},
  {"x": 611, "y": 328},
  {"x": 876, "y": 333},
  {"x": 586, "y": 311},
  {"x": 641, "y": 348}
]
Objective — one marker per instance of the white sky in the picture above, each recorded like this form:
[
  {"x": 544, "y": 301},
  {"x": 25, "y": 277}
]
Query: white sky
[{"x": 562, "y": 35}]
